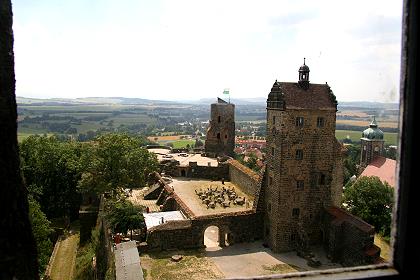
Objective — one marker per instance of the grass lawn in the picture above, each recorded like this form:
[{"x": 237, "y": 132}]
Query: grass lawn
[
  {"x": 194, "y": 265},
  {"x": 183, "y": 143},
  {"x": 64, "y": 261},
  {"x": 390, "y": 138}
]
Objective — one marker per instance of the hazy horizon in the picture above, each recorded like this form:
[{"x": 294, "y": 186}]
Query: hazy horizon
[
  {"x": 188, "y": 50},
  {"x": 262, "y": 98}
]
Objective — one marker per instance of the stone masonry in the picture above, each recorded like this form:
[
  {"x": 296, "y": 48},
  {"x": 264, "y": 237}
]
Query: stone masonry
[
  {"x": 297, "y": 197},
  {"x": 221, "y": 132},
  {"x": 304, "y": 169}
]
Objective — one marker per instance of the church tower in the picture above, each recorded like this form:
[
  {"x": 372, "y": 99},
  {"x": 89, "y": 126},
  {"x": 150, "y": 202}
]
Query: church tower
[
  {"x": 372, "y": 143},
  {"x": 220, "y": 138},
  {"x": 304, "y": 166}
]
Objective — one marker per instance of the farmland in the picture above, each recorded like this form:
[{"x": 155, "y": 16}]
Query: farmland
[
  {"x": 83, "y": 119},
  {"x": 354, "y": 136}
]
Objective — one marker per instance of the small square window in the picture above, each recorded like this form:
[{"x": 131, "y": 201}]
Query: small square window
[
  {"x": 322, "y": 179},
  {"x": 299, "y": 121},
  {"x": 320, "y": 122},
  {"x": 299, "y": 154},
  {"x": 274, "y": 119},
  {"x": 299, "y": 184},
  {"x": 295, "y": 212}
]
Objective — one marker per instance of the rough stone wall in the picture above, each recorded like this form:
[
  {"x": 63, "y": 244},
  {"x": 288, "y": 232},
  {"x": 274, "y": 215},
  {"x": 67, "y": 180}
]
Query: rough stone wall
[
  {"x": 197, "y": 171},
  {"x": 239, "y": 227},
  {"x": 337, "y": 176},
  {"x": 247, "y": 179},
  {"x": 171, "y": 235},
  {"x": 220, "y": 137},
  {"x": 208, "y": 172},
  {"x": 345, "y": 242},
  {"x": 87, "y": 223},
  {"x": 316, "y": 170},
  {"x": 18, "y": 256}
]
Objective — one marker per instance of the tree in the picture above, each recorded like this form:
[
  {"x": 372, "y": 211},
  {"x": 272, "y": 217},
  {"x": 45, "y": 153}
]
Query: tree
[
  {"x": 52, "y": 170},
  {"x": 124, "y": 216},
  {"x": 42, "y": 231},
  {"x": 371, "y": 199},
  {"x": 198, "y": 143},
  {"x": 116, "y": 161},
  {"x": 351, "y": 162}
]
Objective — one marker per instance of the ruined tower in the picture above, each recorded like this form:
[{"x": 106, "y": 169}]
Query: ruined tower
[
  {"x": 221, "y": 132},
  {"x": 372, "y": 143},
  {"x": 304, "y": 167}
]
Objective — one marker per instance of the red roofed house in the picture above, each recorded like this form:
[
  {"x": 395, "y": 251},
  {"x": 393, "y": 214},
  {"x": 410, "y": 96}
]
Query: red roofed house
[
  {"x": 382, "y": 167},
  {"x": 371, "y": 159}
]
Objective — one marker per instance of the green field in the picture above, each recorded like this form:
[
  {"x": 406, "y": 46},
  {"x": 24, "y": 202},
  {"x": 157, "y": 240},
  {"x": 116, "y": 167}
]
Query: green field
[
  {"x": 390, "y": 138},
  {"x": 178, "y": 144}
]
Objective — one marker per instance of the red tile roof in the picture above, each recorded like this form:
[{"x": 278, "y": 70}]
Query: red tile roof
[
  {"x": 343, "y": 216},
  {"x": 317, "y": 96},
  {"x": 382, "y": 167}
]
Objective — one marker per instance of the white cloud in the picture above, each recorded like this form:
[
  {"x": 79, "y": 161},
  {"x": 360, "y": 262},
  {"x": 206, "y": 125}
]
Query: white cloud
[{"x": 192, "y": 49}]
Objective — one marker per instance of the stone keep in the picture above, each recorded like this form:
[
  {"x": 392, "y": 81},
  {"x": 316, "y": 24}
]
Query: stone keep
[
  {"x": 304, "y": 165},
  {"x": 372, "y": 143},
  {"x": 221, "y": 132}
]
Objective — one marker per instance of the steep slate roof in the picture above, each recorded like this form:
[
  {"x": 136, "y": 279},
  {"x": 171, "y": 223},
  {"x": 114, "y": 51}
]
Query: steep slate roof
[
  {"x": 317, "y": 96},
  {"x": 382, "y": 167}
]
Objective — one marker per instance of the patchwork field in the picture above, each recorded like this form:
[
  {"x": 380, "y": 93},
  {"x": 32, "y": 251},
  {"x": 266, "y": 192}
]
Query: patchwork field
[{"x": 390, "y": 138}]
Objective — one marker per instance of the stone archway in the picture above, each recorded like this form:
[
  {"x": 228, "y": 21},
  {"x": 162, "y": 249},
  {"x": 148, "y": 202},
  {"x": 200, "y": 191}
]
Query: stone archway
[
  {"x": 211, "y": 237},
  {"x": 215, "y": 236}
]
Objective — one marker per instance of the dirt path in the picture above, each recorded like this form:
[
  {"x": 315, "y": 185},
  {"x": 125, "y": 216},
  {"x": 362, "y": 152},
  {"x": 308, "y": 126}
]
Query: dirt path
[{"x": 64, "y": 261}]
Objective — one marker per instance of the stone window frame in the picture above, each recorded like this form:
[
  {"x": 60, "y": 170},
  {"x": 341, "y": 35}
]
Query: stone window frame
[
  {"x": 320, "y": 122},
  {"x": 296, "y": 212},
  {"x": 299, "y": 121},
  {"x": 322, "y": 179},
  {"x": 300, "y": 185},
  {"x": 405, "y": 215},
  {"x": 299, "y": 154}
]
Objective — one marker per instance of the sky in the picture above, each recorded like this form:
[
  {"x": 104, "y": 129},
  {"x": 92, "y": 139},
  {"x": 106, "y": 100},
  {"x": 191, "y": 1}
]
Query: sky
[{"x": 181, "y": 50}]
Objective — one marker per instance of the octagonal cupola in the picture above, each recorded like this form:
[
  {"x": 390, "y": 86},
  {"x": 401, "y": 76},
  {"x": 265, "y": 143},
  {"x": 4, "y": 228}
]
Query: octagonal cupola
[
  {"x": 373, "y": 132},
  {"x": 304, "y": 75}
]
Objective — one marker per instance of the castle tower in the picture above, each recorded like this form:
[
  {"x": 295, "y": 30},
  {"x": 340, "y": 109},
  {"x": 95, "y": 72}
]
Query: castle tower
[
  {"x": 372, "y": 143},
  {"x": 221, "y": 132},
  {"x": 304, "y": 165}
]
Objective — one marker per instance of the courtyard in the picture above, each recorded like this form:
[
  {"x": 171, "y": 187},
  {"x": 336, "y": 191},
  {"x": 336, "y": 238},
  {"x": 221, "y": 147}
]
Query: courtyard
[
  {"x": 186, "y": 189},
  {"x": 238, "y": 260}
]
